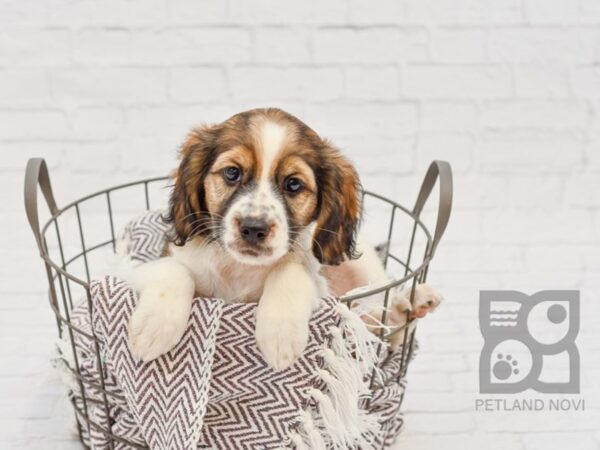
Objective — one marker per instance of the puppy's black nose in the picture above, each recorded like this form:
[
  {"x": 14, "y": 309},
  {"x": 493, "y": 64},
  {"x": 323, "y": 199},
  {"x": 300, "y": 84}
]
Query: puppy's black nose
[{"x": 254, "y": 231}]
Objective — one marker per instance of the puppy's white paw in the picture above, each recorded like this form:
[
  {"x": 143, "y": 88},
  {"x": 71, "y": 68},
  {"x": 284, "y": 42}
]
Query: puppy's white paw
[
  {"x": 157, "y": 324},
  {"x": 426, "y": 300},
  {"x": 395, "y": 316},
  {"x": 281, "y": 340}
]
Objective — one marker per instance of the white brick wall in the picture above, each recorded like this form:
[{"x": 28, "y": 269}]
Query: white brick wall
[{"x": 507, "y": 90}]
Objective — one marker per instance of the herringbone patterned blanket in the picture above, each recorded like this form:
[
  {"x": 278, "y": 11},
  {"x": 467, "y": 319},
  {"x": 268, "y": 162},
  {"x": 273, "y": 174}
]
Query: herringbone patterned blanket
[{"x": 214, "y": 390}]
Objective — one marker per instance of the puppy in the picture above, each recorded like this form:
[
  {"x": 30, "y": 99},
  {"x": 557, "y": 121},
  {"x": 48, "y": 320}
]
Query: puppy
[{"x": 260, "y": 203}]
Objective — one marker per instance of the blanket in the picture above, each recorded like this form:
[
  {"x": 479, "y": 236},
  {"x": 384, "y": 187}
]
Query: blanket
[{"x": 214, "y": 390}]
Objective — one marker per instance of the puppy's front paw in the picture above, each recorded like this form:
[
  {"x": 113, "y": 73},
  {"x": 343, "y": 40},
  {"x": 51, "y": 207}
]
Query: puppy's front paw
[
  {"x": 281, "y": 340},
  {"x": 426, "y": 300},
  {"x": 157, "y": 324}
]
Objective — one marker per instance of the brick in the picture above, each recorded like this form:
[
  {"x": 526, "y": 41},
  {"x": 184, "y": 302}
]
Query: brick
[
  {"x": 481, "y": 192},
  {"x": 92, "y": 124},
  {"x": 539, "y": 423},
  {"x": 37, "y": 48},
  {"x": 197, "y": 84},
  {"x": 459, "y": 257},
  {"x": 478, "y": 440},
  {"x": 541, "y": 82},
  {"x": 523, "y": 152},
  {"x": 170, "y": 124},
  {"x": 270, "y": 12},
  {"x": 109, "y": 13},
  {"x": 110, "y": 85},
  {"x": 149, "y": 155},
  {"x": 445, "y": 11},
  {"x": 186, "y": 46},
  {"x": 555, "y": 257},
  {"x": 590, "y": 11},
  {"x": 398, "y": 151},
  {"x": 595, "y": 125},
  {"x": 440, "y": 423},
  {"x": 25, "y": 87},
  {"x": 281, "y": 45},
  {"x": 378, "y": 45},
  {"x": 592, "y": 152},
  {"x": 539, "y": 45},
  {"x": 459, "y": 82},
  {"x": 535, "y": 192},
  {"x": 507, "y": 258},
  {"x": 93, "y": 157},
  {"x": 285, "y": 84},
  {"x": 387, "y": 12},
  {"x": 504, "y": 12},
  {"x": 372, "y": 83},
  {"x": 457, "y": 148},
  {"x": 535, "y": 114},
  {"x": 37, "y": 124},
  {"x": 535, "y": 279},
  {"x": 197, "y": 12},
  {"x": 551, "y": 11},
  {"x": 582, "y": 191},
  {"x": 586, "y": 81},
  {"x": 459, "y": 45},
  {"x": 8, "y": 184},
  {"x": 544, "y": 227},
  {"x": 448, "y": 116},
  {"x": 97, "y": 47},
  {"x": 20, "y": 151},
  {"x": 430, "y": 382},
  {"x": 543, "y": 441},
  {"x": 335, "y": 120},
  {"x": 469, "y": 224},
  {"x": 437, "y": 401},
  {"x": 589, "y": 41},
  {"x": 84, "y": 13}
]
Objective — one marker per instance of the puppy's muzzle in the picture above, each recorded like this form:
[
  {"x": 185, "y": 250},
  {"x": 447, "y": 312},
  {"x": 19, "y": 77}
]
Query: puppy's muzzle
[{"x": 254, "y": 231}]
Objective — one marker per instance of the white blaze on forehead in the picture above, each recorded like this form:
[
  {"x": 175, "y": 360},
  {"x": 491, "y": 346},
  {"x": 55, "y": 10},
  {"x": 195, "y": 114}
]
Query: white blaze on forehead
[
  {"x": 263, "y": 202},
  {"x": 271, "y": 139}
]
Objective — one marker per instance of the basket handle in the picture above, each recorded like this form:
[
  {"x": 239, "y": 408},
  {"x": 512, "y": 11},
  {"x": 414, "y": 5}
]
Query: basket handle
[
  {"x": 36, "y": 174},
  {"x": 443, "y": 171}
]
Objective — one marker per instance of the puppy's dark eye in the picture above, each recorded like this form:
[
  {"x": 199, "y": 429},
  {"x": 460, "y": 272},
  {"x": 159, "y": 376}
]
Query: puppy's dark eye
[
  {"x": 232, "y": 174},
  {"x": 292, "y": 185}
]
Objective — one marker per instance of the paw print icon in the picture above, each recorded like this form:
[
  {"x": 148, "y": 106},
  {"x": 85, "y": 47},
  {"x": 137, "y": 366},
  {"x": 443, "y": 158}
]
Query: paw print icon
[{"x": 529, "y": 342}]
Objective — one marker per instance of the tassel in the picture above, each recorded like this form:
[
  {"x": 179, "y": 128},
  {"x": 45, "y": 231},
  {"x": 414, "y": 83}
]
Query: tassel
[
  {"x": 297, "y": 441},
  {"x": 345, "y": 386},
  {"x": 363, "y": 343},
  {"x": 345, "y": 401},
  {"x": 345, "y": 370},
  {"x": 329, "y": 419},
  {"x": 310, "y": 433}
]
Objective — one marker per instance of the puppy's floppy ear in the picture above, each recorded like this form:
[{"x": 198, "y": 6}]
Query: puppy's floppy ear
[
  {"x": 188, "y": 210},
  {"x": 339, "y": 209}
]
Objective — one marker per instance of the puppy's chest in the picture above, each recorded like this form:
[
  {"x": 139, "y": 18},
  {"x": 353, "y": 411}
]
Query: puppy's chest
[{"x": 232, "y": 284}]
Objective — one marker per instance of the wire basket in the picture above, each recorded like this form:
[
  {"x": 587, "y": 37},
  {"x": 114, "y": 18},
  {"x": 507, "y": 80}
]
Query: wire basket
[{"x": 74, "y": 241}]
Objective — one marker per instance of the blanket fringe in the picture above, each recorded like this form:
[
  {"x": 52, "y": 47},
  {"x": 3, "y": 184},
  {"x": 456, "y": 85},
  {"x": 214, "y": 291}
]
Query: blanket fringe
[
  {"x": 62, "y": 358},
  {"x": 336, "y": 421}
]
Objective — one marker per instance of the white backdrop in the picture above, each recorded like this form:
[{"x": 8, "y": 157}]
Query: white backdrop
[{"x": 508, "y": 91}]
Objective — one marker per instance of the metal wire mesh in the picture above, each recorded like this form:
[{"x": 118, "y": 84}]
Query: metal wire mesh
[{"x": 73, "y": 236}]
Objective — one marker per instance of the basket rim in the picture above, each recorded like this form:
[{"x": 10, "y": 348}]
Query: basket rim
[{"x": 410, "y": 273}]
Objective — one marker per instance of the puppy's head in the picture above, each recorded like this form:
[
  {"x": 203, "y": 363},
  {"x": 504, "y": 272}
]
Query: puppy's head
[{"x": 258, "y": 183}]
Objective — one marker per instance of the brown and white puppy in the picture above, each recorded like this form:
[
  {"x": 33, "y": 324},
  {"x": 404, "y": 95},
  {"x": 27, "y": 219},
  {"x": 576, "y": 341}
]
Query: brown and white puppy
[{"x": 260, "y": 203}]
